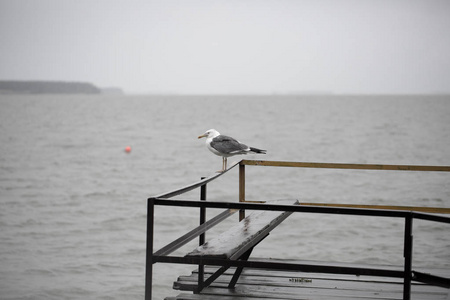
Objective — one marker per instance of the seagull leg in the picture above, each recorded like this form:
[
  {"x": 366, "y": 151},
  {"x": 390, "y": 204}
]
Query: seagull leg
[{"x": 225, "y": 164}]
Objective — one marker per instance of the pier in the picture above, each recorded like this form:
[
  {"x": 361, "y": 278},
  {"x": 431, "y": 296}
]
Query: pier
[{"x": 225, "y": 269}]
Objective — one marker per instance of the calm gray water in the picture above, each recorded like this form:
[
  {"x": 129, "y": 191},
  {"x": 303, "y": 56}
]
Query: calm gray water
[{"x": 73, "y": 203}]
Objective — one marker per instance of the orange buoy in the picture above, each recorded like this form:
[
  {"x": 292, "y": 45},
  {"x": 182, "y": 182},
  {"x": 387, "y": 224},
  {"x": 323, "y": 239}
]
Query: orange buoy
[{"x": 127, "y": 149}]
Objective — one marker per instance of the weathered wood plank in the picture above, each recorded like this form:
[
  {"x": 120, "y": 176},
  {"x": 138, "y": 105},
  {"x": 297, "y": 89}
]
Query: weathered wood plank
[
  {"x": 290, "y": 274},
  {"x": 260, "y": 292},
  {"x": 301, "y": 291},
  {"x": 443, "y": 272},
  {"x": 245, "y": 234},
  {"x": 188, "y": 284},
  {"x": 299, "y": 281},
  {"x": 354, "y": 287},
  {"x": 215, "y": 297},
  {"x": 274, "y": 284},
  {"x": 294, "y": 281}
]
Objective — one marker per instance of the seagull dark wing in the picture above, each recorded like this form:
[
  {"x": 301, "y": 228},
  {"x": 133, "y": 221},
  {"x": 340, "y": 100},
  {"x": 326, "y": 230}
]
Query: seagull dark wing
[{"x": 227, "y": 145}]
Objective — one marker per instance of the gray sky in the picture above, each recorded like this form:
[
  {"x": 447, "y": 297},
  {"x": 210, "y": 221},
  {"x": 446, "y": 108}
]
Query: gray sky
[{"x": 228, "y": 46}]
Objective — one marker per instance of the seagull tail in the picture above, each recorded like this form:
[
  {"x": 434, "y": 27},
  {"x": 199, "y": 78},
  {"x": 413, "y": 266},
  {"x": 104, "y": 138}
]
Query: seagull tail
[{"x": 256, "y": 150}]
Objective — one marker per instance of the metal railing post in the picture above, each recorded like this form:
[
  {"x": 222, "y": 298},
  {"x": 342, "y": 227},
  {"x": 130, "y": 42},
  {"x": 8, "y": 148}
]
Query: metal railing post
[
  {"x": 202, "y": 212},
  {"x": 241, "y": 189},
  {"x": 408, "y": 247},
  {"x": 201, "y": 238},
  {"x": 149, "y": 254}
]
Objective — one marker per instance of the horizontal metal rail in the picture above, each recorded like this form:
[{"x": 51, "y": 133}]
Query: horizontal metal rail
[
  {"x": 301, "y": 208},
  {"x": 233, "y": 207},
  {"x": 344, "y": 166},
  {"x": 425, "y": 209},
  {"x": 431, "y": 279},
  {"x": 437, "y": 210}
]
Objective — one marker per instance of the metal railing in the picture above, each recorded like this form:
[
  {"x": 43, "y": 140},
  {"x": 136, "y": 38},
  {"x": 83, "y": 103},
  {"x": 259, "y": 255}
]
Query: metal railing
[
  {"x": 315, "y": 165},
  {"x": 407, "y": 213}
]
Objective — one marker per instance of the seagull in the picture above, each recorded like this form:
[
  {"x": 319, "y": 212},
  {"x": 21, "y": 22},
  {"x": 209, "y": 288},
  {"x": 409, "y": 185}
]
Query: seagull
[{"x": 226, "y": 146}]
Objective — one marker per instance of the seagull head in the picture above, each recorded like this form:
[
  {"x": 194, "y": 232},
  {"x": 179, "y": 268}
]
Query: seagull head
[{"x": 212, "y": 133}]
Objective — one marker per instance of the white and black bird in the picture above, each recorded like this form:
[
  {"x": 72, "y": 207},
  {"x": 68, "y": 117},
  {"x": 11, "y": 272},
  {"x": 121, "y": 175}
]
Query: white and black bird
[{"x": 226, "y": 146}]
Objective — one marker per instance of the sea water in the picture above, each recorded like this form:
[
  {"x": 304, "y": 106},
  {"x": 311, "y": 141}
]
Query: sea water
[{"x": 73, "y": 202}]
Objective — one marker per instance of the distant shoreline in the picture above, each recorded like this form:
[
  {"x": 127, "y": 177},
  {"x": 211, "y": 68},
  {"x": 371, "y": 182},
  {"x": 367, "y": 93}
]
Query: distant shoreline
[{"x": 13, "y": 87}]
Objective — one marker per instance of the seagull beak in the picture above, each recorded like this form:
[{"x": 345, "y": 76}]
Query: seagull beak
[{"x": 201, "y": 136}]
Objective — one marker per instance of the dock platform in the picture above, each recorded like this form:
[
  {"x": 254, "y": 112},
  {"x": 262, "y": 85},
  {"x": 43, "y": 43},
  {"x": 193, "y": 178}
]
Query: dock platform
[
  {"x": 226, "y": 270},
  {"x": 273, "y": 284}
]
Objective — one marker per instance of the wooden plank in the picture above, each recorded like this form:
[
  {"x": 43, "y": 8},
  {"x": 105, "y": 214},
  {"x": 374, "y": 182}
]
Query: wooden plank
[
  {"x": 442, "y": 272},
  {"x": 260, "y": 292},
  {"x": 189, "y": 282},
  {"x": 345, "y": 166},
  {"x": 300, "y": 280},
  {"x": 216, "y": 297},
  {"x": 287, "y": 273},
  {"x": 328, "y": 289},
  {"x": 244, "y": 235},
  {"x": 293, "y": 293},
  {"x": 262, "y": 284}
]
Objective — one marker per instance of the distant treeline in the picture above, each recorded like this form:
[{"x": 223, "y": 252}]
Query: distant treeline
[{"x": 47, "y": 87}]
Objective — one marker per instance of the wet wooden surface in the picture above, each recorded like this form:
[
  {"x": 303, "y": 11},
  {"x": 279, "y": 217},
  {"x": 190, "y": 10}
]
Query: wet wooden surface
[
  {"x": 270, "y": 284},
  {"x": 244, "y": 234}
]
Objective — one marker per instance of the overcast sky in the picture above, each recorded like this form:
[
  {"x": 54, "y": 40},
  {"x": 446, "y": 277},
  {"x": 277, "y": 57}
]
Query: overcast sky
[{"x": 227, "y": 46}]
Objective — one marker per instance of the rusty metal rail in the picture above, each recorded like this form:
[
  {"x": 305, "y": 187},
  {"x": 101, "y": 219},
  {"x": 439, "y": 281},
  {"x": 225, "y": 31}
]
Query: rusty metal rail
[
  {"x": 268, "y": 163},
  {"x": 379, "y": 167}
]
